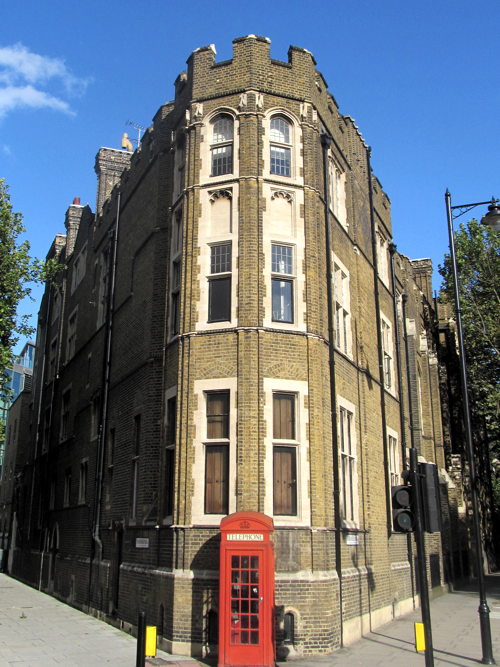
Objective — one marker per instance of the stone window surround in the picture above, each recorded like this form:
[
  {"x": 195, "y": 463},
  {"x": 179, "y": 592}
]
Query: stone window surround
[
  {"x": 345, "y": 302},
  {"x": 207, "y": 144},
  {"x": 300, "y": 390},
  {"x": 296, "y": 239},
  {"x": 201, "y": 387},
  {"x": 388, "y": 352},
  {"x": 351, "y": 408},
  {"x": 206, "y": 240},
  {"x": 295, "y": 177}
]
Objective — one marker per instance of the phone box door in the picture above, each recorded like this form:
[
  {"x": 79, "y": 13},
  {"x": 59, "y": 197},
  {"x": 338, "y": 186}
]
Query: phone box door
[{"x": 246, "y": 607}]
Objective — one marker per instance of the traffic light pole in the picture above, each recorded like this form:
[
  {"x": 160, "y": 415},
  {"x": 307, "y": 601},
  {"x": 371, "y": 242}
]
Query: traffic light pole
[
  {"x": 421, "y": 570},
  {"x": 421, "y": 560}
]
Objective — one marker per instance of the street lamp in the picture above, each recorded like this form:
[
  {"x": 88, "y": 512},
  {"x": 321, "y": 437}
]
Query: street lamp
[{"x": 492, "y": 218}]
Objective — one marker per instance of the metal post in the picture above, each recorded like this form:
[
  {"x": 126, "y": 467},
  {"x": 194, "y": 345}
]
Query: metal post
[
  {"x": 421, "y": 561},
  {"x": 141, "y": 640},
  {"x": 483, "y": 609},
  {"x": 421, "y": 570}
]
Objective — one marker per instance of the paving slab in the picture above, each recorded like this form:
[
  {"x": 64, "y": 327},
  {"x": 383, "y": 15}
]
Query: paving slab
[
  {"x": 455, "y": 633},
  {"x": 36, "y": 630}
]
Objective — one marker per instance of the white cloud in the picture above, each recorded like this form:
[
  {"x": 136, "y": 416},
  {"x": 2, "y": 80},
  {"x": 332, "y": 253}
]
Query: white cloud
[
  {"x": 6, "y": 150},
  {"x": 25, "y": 77},
  {"x": 12, "y": 97}
]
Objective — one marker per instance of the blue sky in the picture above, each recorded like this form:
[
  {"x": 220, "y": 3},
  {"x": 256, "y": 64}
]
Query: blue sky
[{"x": 420, "y": 78}]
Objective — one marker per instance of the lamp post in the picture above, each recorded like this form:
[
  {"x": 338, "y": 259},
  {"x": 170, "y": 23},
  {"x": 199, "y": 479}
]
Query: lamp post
[{"x": 492, "y": 218}]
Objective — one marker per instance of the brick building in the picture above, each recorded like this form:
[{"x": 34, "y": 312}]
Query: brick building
[{"x": 228, "y": 335}]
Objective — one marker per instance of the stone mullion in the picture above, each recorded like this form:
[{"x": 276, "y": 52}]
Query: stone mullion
[{"x": 247, "y": 463}]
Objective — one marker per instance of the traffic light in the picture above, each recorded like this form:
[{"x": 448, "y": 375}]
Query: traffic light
[
  {"x": 429, "y": 483},
  {"x": 402, "y": 509}
]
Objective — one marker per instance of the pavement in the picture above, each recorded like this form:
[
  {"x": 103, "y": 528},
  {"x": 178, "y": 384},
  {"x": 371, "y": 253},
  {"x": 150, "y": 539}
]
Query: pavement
[{"x": 36, "y": 630}]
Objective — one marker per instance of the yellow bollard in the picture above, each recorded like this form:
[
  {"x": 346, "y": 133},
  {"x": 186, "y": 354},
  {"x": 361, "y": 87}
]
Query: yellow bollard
[
  {"x": 419, "y": 637},
  {"x": 151, "y": 641}
]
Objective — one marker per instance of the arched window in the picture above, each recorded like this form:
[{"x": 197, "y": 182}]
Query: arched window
[
  {"x": 289, "y": 628},
  {"x": 280, "y": 143},
  {"x": 222, "y": 145}
]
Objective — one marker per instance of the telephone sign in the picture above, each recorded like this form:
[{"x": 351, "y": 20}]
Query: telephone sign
[{"x": 246, "y": 590}]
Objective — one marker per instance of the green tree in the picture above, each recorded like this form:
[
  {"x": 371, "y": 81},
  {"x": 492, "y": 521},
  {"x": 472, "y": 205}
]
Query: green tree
[
  {"x": 17, "y": 270},
  {"x": 478, "y": 264}
]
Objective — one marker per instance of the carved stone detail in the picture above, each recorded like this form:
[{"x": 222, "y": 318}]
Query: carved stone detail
[
  {"x": 283, "y": 195},
  {"x": 220, "y": 194},
  {"x": 197, "y": 110}
]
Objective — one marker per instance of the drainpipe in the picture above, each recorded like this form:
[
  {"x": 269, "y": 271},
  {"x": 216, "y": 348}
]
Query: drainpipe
[
  {"x": 392, "y": 251},
  {"x": 101, "y": 448},
  {"x": 326, "y": 141},
  {"x": 409, "y": 545},
  {"x": 39, "y": 409},
  {"x": 388, "y": 502},
  {"x": 419, "y": 530}
]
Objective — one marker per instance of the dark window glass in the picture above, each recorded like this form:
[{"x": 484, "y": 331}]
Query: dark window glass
[
  {"x": 289, "y": 628},
  {"x": 218, "y": 415},
  {"x": 219, "y": 299},
  {"x": 175, "y": 313},
  {"x": 220, "y": 258},
  {"x": 284, "y": 481},
  {"x": 282, "y": 297},
  {"x": 282, "y": 259},
  {"x": 222, "y": 160},
  {"x": 222, "y": 145},
  {"x": 137, "y": 434},
  {"x": 216, "y": 479},
  {"x": 171, "y": 417},
  {"x": 280, "y": 160},
  {"x": 284, "y": 416},
  {"x": 169, "y": 480}
]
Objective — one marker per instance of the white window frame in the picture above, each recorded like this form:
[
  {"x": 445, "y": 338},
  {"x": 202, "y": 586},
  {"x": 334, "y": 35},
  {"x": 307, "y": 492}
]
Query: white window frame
[
  {"x": 394, "y": 457},
  {"x": 53, "y": 350},
  {"x": 337, "y": 181},
  {"x": 296, "y": 239},
  {"x": 79, "y": 268},
  {"x": 56, "y": 305},
  {"x": 223, "y": 143},
  {"x": 52, "y": 494},
  {"x": 294, "y": 146},
  {"x": 342, "y": 307},
  {"x": 71, "y": 335},
  {"x": 207, "y": 144},
  {"x": 201, "y": 388},
  {"x": 206, "y": 240},
  {"x": 170, "y": 394},
  {"x": 387, "y": 352},
  {"x": 420, "y": 404},
  {"x": 68, "y": 478},
  {"x": 285, "y": 144},
  {"x": 382, "y": 257},
  {"x": 135, "y": 461},
  {"x": 348, "y": 463},
  {"x": 94, "y": 417},
  {"x": 215, "y": 275},
  {"x": 175, "y": 261},
  {"x": 299, "y": 389},
  {"x": 65, "y": 415},
  {"x": 82, "y": 481},
  {"x": 284, "y": 276},
  {"x": 103, "y": 270}
]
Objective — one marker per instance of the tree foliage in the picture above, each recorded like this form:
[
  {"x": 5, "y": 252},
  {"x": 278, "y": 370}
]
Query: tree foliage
[
  {"x": 17, "y": 270},
  {"x": 478, "y": 263}
]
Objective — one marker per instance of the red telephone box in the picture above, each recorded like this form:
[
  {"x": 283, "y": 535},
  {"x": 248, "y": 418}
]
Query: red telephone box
[{"x": 246, "y": 591}]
